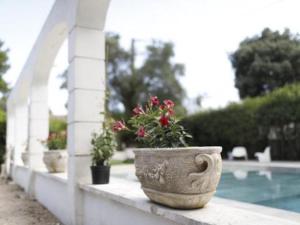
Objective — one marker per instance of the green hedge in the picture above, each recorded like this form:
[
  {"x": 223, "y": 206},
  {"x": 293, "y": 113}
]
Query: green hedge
[
  {"x": 251, "y": 123},
  {"x": 279, "y": 118}
]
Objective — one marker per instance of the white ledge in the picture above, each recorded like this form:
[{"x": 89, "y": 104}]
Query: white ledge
[
  {"x": 61, "y": 177},
  {"x": 130, "y": 194}
]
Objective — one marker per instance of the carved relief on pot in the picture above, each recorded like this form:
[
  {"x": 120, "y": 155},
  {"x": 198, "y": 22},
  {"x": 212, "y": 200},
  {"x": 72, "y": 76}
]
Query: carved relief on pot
[{"x": 154, "y": 173}]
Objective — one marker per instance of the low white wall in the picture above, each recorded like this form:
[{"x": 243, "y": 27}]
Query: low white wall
[
  {"x": 22, "y": 176},
  {"x": 122, "y": 202},
  {"x": 99, "y": 210},
  {"x": 51, "y": 191},
  {"x": 48, "y": 189}
]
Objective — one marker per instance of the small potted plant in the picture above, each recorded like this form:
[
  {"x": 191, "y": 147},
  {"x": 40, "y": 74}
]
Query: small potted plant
[
  {"x": 56, "y": 158},
  {"x": 171, "y": 173},
  {"x": 103, "y": 146}
]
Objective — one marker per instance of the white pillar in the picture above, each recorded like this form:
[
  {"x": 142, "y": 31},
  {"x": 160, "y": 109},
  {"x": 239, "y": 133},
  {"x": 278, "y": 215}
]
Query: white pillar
[
  {"x": 86, "y": 86},
  {"x": 21, "y": 130},
  {"x": 10, "y": 138},
  {"x": 38, "y": 125}
]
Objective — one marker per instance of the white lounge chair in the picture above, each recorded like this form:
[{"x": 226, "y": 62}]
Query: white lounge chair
[
  {"x": 240, "y": 152},
  {"x": 264, "y": 156}
]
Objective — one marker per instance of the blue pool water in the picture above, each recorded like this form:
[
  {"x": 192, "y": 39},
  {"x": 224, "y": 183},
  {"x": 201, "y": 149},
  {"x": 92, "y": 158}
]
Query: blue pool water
[{"x": 269, "y": 188}]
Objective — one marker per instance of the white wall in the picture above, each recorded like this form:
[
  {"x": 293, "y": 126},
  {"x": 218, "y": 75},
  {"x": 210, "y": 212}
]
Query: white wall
[
  {"x": 52, "y": 193},
  {"x": 99, "y": 210},
  {"x": 21, "y": 176}
]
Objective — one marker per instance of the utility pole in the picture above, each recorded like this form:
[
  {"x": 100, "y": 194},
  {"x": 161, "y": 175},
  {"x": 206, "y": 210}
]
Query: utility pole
[{"x": 132, "y": 57}]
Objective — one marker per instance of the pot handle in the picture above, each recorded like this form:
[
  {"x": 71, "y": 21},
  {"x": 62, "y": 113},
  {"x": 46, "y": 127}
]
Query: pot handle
[{"x": 206, "y": 163}]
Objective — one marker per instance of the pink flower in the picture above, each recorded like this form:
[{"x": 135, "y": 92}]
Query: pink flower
[
  {"x": 169, "y": 103},
  {"x": 164, "y": 121},
  {"x": 138, "y": 111},
  {"x": 118, "y": 126},
  {"x": 154, "y": 101},
  {"x": 170, "y": 112},
  {"x": 141, "y": 132}
]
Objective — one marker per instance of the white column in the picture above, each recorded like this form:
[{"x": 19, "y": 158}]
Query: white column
[
  {"x": 86, "y": 86},
  {"x": 38, "y": 124},
  {"x": 21, "y": 131},
  {"x": 10, "y": 138}
]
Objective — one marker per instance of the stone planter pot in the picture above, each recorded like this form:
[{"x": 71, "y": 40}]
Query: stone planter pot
[
  {"x": 55, "y": 161},
  {"x": 184, "y": 178},
  {"x": 25, "y": 159}
]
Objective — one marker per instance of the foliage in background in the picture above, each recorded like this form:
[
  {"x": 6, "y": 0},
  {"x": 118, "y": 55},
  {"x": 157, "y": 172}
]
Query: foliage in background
[
  {"x": 156, "y": 126},
  {"x": 156, "y": 76},
  {"x": 57, "y": 133},
  {"x": 103, "y": 146},
  {"x": 4, "y": 66},
  {"x": 279, "y": 118},
  {"x": 56, "y": 141},
  {"x": 4, "y": 89},
  {"x": 255, "y": 123},
  {"x": 232, "y": 126},
  {"x": 57, "y": 125},
  {"x": 129, "y": 84},
  {"x": 265, "y": 62}
]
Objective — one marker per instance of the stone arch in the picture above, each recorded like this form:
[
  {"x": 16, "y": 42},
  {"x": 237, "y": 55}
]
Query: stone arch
[
  {"x": 38, "y": 120},
  {"x": 27, "y": 103}
]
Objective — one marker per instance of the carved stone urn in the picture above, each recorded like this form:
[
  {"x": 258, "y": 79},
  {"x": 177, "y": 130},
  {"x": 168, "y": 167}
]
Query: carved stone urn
[
  {"x": 183, "y": 178},
  {"x": 55, "y": 161}
]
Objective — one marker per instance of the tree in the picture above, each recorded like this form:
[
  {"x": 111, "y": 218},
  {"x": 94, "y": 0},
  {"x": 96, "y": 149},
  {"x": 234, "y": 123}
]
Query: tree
[
  {"x": 4, "y": 91},
  {"x": 3, "y": 68},
  {"x": 265, "y": 62},
  {"x": 130, "y": 85}
]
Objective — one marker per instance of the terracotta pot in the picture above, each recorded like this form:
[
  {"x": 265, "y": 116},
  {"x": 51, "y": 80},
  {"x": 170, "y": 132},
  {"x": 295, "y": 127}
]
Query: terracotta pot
[
  {"x": 55, "y": 160},
  {"x": 184, "y": 178},
  {"x": 24, "y": 157}
]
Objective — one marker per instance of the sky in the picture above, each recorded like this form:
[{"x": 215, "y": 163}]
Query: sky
[{"x": 204, "y": 33}]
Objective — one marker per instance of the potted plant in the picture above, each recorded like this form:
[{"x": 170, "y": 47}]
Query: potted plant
[
  {"x": 56, "y": 158},
  {"x": 103, "y": 146},
  {"x": 171, "y": 173}
]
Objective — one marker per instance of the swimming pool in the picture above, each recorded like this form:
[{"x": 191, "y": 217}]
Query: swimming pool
[{"x": 275, "y": 189}]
